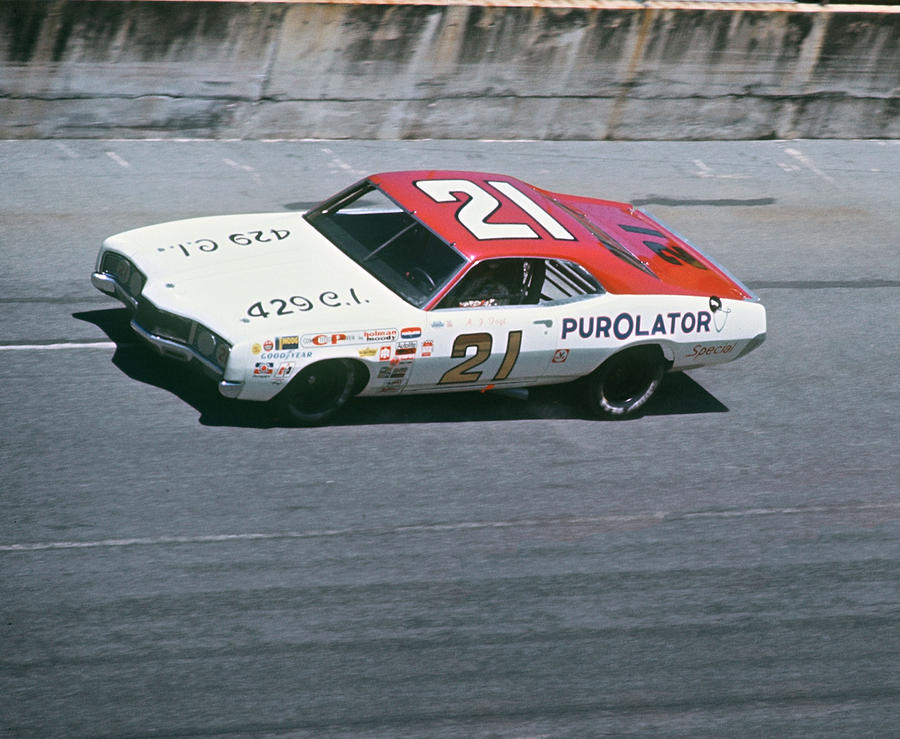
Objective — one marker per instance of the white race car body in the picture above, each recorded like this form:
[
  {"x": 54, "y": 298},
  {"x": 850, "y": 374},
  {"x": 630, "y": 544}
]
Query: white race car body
[{"x": 257, "y": 298}]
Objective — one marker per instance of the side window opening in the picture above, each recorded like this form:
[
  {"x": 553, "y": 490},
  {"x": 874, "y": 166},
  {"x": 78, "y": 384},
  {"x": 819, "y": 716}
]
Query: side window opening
[
  {"x": 567, "y": 280},
  {"x": 520, "y": 281}
]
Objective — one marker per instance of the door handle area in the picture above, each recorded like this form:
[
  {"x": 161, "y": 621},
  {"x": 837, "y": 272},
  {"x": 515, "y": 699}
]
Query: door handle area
[{"x": 546, "y": 322}]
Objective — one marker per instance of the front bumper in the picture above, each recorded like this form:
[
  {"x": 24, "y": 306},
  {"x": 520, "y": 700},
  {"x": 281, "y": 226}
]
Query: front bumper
[
  {"x": 230, "y": 388},
  {"x": 174, "y": 347},
  {"x": 110, "y": 285},
  {"x": 176, "y": 350}
]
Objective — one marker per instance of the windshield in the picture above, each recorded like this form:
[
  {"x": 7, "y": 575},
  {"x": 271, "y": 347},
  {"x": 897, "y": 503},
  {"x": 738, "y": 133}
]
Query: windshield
[{"x": 388, "y": 241}]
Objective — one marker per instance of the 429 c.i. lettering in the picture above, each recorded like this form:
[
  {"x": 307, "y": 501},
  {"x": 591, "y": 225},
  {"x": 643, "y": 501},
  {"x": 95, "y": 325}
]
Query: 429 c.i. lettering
[
  {"x": 244, "y": 238},
  {"x": 302, "y": 304}
]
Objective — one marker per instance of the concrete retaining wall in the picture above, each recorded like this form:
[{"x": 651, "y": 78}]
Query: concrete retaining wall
[{"x": 90, "y": 68}]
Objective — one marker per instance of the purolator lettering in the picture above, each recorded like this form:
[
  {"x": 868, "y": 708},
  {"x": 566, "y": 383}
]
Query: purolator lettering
[{"x": 626, "y": 325}]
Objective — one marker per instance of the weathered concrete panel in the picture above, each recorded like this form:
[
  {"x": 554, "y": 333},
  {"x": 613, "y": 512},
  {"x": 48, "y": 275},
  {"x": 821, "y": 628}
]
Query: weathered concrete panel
[
  {"x": 97, "y": 49},
  {"x": 92, "y": 117},
  {"x": 304, "y": 69}
]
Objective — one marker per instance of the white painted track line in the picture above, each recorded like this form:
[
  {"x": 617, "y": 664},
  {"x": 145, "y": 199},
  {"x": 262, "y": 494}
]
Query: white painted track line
[
  {"x": 649, "y": 518},
  {"x": 57, "y": 347}
]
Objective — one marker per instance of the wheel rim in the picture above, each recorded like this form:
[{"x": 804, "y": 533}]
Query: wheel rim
[
  {"x": 319, "y": 389},
  {"x": 627, "y": 382}
]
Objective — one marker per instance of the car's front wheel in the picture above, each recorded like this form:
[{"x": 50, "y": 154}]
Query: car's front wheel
[
  {"x": 625, "y": 382},
  {"x": 317, "y": 393}
]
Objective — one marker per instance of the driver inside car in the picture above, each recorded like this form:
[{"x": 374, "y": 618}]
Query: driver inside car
[
  {"x": 492, "y": 283},
  {"x": 498, "y": 282}
]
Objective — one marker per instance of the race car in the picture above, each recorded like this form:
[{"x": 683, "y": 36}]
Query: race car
[{"x": 431, "y": 281}]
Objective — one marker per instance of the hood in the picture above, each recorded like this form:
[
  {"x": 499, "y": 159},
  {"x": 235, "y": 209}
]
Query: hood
[
  {"x": 209, "y": 245},
  {"x": 256, "y": 274}
]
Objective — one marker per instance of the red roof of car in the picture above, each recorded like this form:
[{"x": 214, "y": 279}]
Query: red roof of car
[{"x": 488, "y": 215}]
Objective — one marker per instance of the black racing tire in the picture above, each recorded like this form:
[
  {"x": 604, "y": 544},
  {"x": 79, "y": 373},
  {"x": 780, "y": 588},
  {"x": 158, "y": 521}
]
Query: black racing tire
[
  {"x": 317, "y": 393},
  {"x": 625, "y": 382}
]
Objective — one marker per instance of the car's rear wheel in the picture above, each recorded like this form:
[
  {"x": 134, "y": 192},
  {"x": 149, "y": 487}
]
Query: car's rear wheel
[
  {"x": 625, "y": 382},
  {"x": 317, "y": 393}
]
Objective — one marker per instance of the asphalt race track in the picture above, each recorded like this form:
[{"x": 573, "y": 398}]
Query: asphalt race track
[{"x": 172, "y": 564}]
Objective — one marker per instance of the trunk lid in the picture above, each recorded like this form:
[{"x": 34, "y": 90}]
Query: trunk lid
[{"x": 677, "y": 263}]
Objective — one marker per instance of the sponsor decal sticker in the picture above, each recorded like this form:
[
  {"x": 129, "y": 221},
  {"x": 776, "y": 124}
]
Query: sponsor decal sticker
[
  {"x": 626, "y": 325},
  {"x": 384, "y": 354},
  {"x": 410, "y": 333},
  {"x": 287, "y": 342},
  {"x": 406, "y": 349},
  {"x": 380, "y": 334},
  {"x": 393, "y": 373},
  {"x": 363, "y": 336},
  {"x": 369, "y": 351},
  {"x": 263, "y": 369},
  {"x": 284, "y": 371},
  {"x": 286, "y": 355},
  {"x": 268, "y": 345},
  {"x": 560, "y": 356},
  {"x": 427, "y": 348},
  {"x": 323, "y": 339},
  {"x": 256, "y": 348},
  {"x": 700, "y": 350}
]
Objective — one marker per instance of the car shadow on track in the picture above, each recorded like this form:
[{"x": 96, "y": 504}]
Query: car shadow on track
[{"x": 677, "y": 395}]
